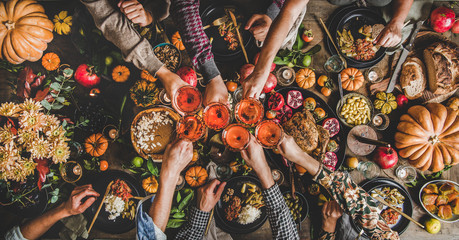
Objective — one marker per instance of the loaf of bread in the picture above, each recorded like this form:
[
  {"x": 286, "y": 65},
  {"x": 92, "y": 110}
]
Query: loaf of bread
[
  {"x": 413, "y": 79},
  {"x": 442, "y": 64}
]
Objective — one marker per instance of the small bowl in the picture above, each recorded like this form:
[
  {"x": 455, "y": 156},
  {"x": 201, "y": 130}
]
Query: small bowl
[
  {"x": 455, "y": 217},
  {"x": 178, "y": 51},
  {"x": 344, "y": 99},
  {"x": 303, "y": 203}
]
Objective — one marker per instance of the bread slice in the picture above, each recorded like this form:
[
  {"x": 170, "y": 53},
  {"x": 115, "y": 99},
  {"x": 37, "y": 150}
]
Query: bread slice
[
  {"x": 413, "y": 78},
  {"x": 442, "y": 68},
  {"x": 377, "y": 29}
]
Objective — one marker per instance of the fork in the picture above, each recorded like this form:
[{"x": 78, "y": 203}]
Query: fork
[{"x": 217, "y": 22}]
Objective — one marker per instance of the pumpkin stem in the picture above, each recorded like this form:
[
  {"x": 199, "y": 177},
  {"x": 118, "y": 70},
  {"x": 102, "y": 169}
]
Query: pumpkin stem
[
  {"x": 10, "y": 25},
  {"x": 434, "y": 139}
]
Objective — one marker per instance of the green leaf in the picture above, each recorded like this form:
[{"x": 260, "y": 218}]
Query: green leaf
[
  {"x": 178, "y": 215},
  {"x": 152, "y": 168},
  {"x": 145, "y": 175},
  {"x": 56, "y": 86},
  {"x": 174, "y": 210},
  {"x": 314, "y": 50},
  {"x": 179, "y": 197},
  {"x": 68, "y": 71},
  {"x": 60, "y": 99},
  {"x": 57, "y": 106},
  {"x": 46, "y": 104},
  {"x": 175, "y": 223},
  {"x": 122, "y": 105},
  {"x": 279, "y": 61},
  {"x": 185, "y": 201},
  {"x": 46, "y": 185},
  {"x": 54, "y": 199}
]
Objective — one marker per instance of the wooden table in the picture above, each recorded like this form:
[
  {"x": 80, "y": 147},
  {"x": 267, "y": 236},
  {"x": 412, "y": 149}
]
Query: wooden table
[{"x": 316, "y": 9}]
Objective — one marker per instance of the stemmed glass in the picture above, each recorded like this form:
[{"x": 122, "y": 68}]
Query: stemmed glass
[
  {"x": 191, "y": 127},
  {"x": 216, "y": 116},
  {"x": 269, "y": 134},
  {"x": 249, "y": 112},
  {"x": 236, "y": 137},
  {"x": 188, "y": 99}
]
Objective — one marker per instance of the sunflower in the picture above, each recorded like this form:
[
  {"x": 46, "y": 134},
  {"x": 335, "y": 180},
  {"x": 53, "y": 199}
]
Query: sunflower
[
  {"x": 40, "y": 148},
  {"x": 9, "y": 109},
  {"x": 60, "y": 152},
  {"x": 31, "y": 105},
  {"x": 62, "y": 23}
]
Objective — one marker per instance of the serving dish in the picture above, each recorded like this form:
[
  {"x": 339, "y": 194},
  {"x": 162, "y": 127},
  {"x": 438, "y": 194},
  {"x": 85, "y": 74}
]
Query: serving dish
[
  {"x": 342, "y": 101},
  {"x": 455, "y": 217}
]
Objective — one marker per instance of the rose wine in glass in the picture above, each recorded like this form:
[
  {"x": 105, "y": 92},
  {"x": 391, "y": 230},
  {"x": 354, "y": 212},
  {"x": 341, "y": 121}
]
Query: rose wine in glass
[
  {"x": 217, "y": 116},
  {"x": 236, "y": 137},
  {"x": 188, "y": 99},
  {"x": 268, "y": 133},
  {"x": 191, "y": 127},
  {"x": 249, "y": 111}
]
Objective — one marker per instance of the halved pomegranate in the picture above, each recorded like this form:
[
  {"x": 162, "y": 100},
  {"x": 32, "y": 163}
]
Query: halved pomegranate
[
  {"x": 294, "y": 99},
  {"x": 330, "y": 160},
  {"x": 276, "y": 101},
  {"x": 284, "y": 114},
  {"x": 332, "y": 125}
]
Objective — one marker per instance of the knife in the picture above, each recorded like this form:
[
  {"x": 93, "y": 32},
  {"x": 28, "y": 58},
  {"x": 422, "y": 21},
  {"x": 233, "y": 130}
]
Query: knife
[
  {"x": 405, "y": 51},
  {"x": 233, "y": 18},
  {"x": 340, "y": 87}
]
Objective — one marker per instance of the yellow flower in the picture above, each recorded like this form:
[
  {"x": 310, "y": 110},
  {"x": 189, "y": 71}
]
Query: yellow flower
[
  {"x": 26, "y": 137},
  {"x": 60, "y": 153},
  {"x": 6, "y": 135},
  {"x": 40, "y": 148},
  {"x": 62, "y": 23},
  {"x": 31, "y": 105},
  {"x": 32, "y": 120},
  {"x": 9, "y": 109}
]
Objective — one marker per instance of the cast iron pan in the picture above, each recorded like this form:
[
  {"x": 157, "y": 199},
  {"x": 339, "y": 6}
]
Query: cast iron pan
[
  {"x": 219, "y": 45},
  {"x": 352, "y": 18},
  {"x": 407, "y": 208},
  {"x": 233, "y": 226},
  {"x": 340, "y": 138},
  {"x": 100, "y": 183}
]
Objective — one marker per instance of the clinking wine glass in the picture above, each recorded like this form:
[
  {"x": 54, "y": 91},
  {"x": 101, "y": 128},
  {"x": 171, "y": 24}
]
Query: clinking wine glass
[
  {"x": 188, "y": 99},
  {"x": 236, "y": 137},
  {"x": 269, "y": 134},
  {"x": 217, "y": 116},
  {"x": 249, "y": 111},
  {"x": 191, "y": 127}
]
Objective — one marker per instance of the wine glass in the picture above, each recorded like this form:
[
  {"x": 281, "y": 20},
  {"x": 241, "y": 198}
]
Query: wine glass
[
  {"x": 236, "y": 137},
  {"x": 71, "y": 171},
  {"x": 249, "y": 111},
  {"x": 188, "y": 99},
  {"x": 191, "y": 127},
  {"x": 268, "y": 134},
  {"x": 216, "y": 116}
]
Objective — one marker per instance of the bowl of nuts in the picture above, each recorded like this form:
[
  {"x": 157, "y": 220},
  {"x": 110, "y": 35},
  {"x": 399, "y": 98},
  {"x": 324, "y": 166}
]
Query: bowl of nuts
[
  {"x": 169, "y": 55},
  {"x": 354, "y": 109}
]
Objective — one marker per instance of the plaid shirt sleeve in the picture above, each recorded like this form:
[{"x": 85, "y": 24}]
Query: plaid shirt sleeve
[
  {"x": 274, "y": 9},
  {"x": 282, "y": 224},
  {"x": 356, "y": 202},
  {"x": 185, "y": 14},
  {"x": 195, "y": 226},
  {"x": 326, "y": 236}
]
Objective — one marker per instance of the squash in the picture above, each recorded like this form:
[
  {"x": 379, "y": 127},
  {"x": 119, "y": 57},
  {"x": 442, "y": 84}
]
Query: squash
[
  {"x": 25, "y": 30},
  {"x": 196, "y": 176},
  {"x": 385, "y": 102},
  {"x": 145, "y": 75},
  {"x": 120, "y": 74},
  {"x": 50, "y": 61},
  {"x": 96, "y": 145},
  {"x": 352, "y": 79},
  {"x": 177, "y": 41},
  {"x": 150, "y": 184},
  {"x": 429, "y": 137},
  {"x": 144, "y": 93},
  {"x": 305, "y": 78}
]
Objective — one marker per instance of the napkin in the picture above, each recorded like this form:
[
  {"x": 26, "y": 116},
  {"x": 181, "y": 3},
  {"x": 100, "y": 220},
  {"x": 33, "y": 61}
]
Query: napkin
[{"x": 74, "y": 226}]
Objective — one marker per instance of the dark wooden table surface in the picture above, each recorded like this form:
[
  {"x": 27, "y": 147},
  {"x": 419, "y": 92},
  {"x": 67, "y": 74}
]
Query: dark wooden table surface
[{"x": 316, "y": 9}]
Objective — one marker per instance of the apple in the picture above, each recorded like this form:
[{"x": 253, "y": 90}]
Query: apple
[
  {"x": 385, "y": 157},
  {"x": 402, "y": 100},
  {"x": 86, "y": 76}
]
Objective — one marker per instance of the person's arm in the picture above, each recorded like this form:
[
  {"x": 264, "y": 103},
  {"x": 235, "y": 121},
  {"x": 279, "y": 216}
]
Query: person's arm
[
  {"x": 279, "y": 29},
  {"x": 259, "y": 24},
  {"x": 391, "y": 35},
  {"x": 35, "y": 228},
  {"x": 136, "y": 12},
  {"x": 331, "y": 212},
  {"x": 176, "y": 157},
  {"x": 352, "y": 198},
  {"x": 207, "y": 197},
  {"x": 280, "y": 219}
]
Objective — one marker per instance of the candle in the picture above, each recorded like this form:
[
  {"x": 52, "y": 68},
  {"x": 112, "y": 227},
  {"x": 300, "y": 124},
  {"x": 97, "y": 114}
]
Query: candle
[
  {"x": 377, "y": 121},
  {"x": 287, "y": 74},
  {"x": 372, "y": 76},
  {"x": 113, "y": 133}
]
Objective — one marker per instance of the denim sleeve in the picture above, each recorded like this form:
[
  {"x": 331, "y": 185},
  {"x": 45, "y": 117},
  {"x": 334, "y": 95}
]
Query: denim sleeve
[{"x": 146, "y": 228}]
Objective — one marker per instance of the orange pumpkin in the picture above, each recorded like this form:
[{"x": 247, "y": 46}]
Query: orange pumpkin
[
  {"x": 352, "y": 79},
  {"x": 96, "y": 145},
  {"x": 429, "y": 137},
  {"x": 50, "y": 61},
  {"x": 120, "y": 73},
  {"x": 177, "y": 41},
  {"x": 305, "y": 78},
  {"x": 150, "y": 184},
  {"x": 25, "y": 30},
  {"x": 147, "y": 76},
  {"x": 196, "y": 176}
]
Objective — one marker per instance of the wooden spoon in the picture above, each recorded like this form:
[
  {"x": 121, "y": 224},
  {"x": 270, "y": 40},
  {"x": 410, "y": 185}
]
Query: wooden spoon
[{"x": 100, "y": 206}]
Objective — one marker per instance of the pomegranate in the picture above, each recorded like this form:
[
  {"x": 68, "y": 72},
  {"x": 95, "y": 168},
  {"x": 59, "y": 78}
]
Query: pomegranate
[
  {"x": 385, "y": 157},
  {"x": 86, "y": 76},
  {"x": 276, "y": 101},
  {"x": 245, "y": 71},
  {"x": 270, "y": 84},
  {"x": 330, "y": 160},
  {"x": 455, "y": 28},
  {"x": 402, "y": 100},
  {"x": 284, "y": 114},
  {"x": 255, "y": 60},
  {"x": 332, "y": 125},
  {"x": 442, "y": 19},
  {"x": 188, "y": 75},
  {"x": 294, "y": 99}
]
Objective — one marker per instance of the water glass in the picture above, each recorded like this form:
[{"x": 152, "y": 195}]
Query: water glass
[
  {"x": 406, "y": 173},
  {"x": 334, "y": 64},
  {"x": 369, "y": 169}
]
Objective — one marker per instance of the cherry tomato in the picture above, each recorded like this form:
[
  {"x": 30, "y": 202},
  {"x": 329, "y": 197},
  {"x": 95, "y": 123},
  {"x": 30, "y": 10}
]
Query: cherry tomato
[
  {"x": 325, "y": 91},
  {"x": 103, "y": 165},
  {"x": 232, "y": 86},
  {"x": 307, "y": 35},
  {"x": 322, "y": 80}
]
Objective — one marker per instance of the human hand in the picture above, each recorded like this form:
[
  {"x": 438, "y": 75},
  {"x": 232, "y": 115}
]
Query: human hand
[
  {"x": 391, "y": 35},
  {"x": 253, "y": 85},
  {"x": 209, "y": 194},
  {"x": 331, "y": 212},
  {"x": 171, "y": 82},
  {"x": 216, "y": 91},
  {"x": 74, "y": 206},
  {"x": 259, "y": 25},
  {"x": 176, "y": 157},
  {"x": 254, "y": 157},
  {"x": 135, "y": 12},
  {"x": 290, "y": 150}
]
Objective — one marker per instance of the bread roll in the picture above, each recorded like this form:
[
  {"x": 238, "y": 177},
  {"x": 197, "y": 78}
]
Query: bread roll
[{"x": 413, "y": 78}]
